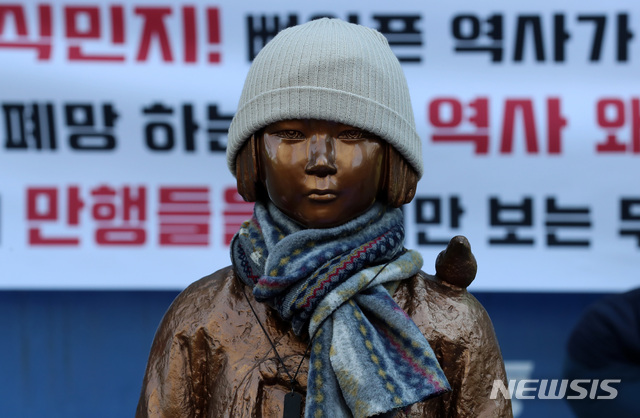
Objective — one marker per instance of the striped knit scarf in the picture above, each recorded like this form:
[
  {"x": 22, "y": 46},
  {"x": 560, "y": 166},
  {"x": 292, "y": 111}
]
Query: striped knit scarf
[{"x": 367, "y": 355}]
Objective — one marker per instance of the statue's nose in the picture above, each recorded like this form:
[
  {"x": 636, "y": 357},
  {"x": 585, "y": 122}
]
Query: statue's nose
[{"x": 321, "y": 156}]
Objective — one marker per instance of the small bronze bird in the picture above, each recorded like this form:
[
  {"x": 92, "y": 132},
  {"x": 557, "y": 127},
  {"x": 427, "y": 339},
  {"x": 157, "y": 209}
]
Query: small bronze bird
[{"x": 456, "y": 264}]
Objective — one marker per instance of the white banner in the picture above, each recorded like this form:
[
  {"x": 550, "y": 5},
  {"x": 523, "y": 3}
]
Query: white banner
[{"x": 114, "y": 120}]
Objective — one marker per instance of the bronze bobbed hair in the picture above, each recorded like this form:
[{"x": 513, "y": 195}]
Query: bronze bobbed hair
[{"x": 399, "y": 178}]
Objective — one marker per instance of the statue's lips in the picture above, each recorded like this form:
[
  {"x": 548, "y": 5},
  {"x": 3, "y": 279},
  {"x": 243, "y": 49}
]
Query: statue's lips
[{"x": 322, "y": 195}]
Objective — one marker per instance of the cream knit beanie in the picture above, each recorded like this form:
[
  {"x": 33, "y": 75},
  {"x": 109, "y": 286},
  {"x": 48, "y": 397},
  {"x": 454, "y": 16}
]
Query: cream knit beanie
[{"x": 328, "y": 69}]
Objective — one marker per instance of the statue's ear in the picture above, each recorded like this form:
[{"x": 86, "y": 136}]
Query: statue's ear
[
  {"x": 400, "y": 179},
  {"x": 247, "y": 170}
]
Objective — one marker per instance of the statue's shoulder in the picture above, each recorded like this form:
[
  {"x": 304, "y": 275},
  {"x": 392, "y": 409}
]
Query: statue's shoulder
[
  {"x": 441, "y": 308},
  {"x": 204, "y": 305},
  {"x": 444, "y": 295},
  {"x": 208, "y": 288},
  {"x": 440, "y": 290}
]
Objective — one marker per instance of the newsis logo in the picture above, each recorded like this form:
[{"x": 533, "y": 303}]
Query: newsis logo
[{"x": 556, "y": 389}]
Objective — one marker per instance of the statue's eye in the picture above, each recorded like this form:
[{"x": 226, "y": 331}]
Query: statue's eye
[
  {"x": 289, "y": 134},
  {"x": 352, "y": 134}
]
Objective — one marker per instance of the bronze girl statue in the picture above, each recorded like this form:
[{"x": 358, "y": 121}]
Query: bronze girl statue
[{"x": 323, "y": 312}]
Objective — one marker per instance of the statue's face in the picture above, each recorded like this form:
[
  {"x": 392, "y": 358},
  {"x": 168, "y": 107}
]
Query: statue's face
[{"x": 321, "y": 174}]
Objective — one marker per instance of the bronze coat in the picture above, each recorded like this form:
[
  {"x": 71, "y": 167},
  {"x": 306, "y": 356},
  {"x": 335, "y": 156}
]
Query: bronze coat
[{"x": 211, "y": 359}]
